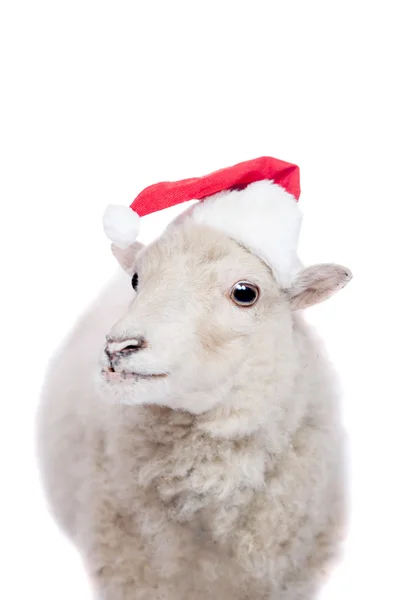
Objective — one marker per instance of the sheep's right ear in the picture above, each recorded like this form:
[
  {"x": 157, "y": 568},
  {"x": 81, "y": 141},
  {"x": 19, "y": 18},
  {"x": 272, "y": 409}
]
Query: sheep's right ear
[
  {"x": 316, "y": 284},
  {"x": 127, "y": 256}
]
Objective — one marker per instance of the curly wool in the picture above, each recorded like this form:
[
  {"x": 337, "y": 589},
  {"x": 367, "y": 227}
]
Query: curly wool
[{"x": 232, "y": 488}]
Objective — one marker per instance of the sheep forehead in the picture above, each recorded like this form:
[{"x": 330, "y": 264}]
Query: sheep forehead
[{"x": 198, "y": 249}]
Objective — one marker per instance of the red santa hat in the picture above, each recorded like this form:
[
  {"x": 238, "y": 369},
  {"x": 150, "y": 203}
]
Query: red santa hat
[{"x": 253, "y": 202}]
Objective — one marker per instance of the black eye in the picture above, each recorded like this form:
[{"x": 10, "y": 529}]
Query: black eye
[
  {"x": 135, "y": 281},
  {"x": 244, "y": 294}
]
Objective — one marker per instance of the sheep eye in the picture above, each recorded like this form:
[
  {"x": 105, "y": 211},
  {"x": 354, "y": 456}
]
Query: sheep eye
[
  {"x": 135, "y": 281},
  {"x": 244, "y": 294}
]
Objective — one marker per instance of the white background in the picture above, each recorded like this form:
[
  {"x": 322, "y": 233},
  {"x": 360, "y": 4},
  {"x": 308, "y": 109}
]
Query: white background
[{"x": 99, "y": 99}]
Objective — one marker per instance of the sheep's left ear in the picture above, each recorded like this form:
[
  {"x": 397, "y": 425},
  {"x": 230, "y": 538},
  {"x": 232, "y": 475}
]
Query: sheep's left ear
[
  {"x": 317, "y": 283},
  {"x": 127, "y": 256}
]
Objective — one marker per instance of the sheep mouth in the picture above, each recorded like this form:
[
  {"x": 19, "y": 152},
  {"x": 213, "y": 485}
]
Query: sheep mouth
[{"x": 110, "y": 375}]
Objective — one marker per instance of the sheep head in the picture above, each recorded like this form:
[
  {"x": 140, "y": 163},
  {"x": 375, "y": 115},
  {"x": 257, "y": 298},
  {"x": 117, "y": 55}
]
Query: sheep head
[{"x": 205, "y": 313}]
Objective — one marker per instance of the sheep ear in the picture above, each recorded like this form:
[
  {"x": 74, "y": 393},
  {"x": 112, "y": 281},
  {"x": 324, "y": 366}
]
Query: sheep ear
[
  {"x": 127, "y": 256},
  {"x": 317, "y": 283}
]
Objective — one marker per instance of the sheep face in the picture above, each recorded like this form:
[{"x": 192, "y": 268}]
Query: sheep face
[
  {"x": 201, "y": 307},
  {"x": 207, "y": 318}
]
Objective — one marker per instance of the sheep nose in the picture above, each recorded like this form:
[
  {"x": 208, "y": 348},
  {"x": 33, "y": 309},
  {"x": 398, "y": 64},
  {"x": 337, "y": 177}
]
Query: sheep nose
[{"x": 120, "y": 348}]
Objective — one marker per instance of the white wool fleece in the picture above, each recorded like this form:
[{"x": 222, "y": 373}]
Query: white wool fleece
[{"x": 224, "y": 477}]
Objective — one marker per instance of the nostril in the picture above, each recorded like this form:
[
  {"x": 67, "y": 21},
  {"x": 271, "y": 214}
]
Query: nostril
[
  {"x": 130, "y": 348},
  {"x": 124, "y": 347}
]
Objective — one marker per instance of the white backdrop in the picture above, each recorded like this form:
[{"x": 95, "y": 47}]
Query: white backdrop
[{"x": 99, "y": 99}]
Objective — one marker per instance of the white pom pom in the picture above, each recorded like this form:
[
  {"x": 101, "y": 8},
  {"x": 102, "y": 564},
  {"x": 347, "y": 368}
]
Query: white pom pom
[{"x": 121, "y": 225}]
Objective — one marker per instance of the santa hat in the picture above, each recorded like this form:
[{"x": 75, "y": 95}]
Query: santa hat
[{"x": 253, "y": 202}]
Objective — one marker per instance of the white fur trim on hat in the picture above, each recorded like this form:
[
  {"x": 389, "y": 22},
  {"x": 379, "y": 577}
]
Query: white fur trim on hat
[
  {"x": 264, "y": 217},
  {"x": 121, "y": 225}
]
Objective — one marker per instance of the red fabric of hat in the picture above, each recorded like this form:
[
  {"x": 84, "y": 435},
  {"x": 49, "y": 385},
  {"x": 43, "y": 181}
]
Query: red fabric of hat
[{"x": 169, "y": 193}]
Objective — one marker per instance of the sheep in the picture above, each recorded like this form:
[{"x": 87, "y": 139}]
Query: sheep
[{"x": 189, "y": 431}]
